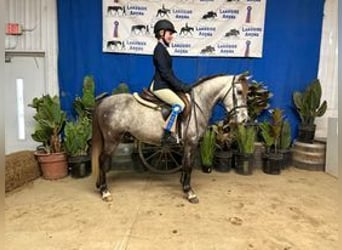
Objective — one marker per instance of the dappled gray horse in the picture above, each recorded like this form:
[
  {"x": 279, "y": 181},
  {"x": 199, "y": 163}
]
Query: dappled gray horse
[{"x": 118, "y": 114}]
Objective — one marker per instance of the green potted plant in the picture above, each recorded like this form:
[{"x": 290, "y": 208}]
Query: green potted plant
[
  {"x": 285, "y": 144},
  {"x": 50, "y": 120},
  {"x": 245, "y": 138},
  {"x": 84, "y": 105},
  {"x": 121, "y": 89},
  {"x": 223, "y": 142},
  {"x": 258, "y": 98},
  {"x": 271, "y": 133},
  {"x": 77, "y": 135},
  {"x": 309, "y": 106},
  {"x": 207, "y": 149}
]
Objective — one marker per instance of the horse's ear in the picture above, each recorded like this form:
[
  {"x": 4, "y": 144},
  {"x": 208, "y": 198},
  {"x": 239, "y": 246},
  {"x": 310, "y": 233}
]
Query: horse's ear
[{"x": 244, "y": 76}]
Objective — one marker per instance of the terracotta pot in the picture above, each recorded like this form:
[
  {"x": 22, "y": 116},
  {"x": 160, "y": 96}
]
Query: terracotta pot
[{"x": 53, "y": 166}]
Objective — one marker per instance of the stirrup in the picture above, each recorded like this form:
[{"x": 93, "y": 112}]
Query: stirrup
[{"x": 169, "y": 140}]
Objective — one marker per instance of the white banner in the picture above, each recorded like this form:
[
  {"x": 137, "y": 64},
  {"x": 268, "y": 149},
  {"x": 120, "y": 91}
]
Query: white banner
[{"x": 221, "y": 28}]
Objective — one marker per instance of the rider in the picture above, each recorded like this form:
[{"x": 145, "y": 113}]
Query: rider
[{"x": 165, "y": 83}]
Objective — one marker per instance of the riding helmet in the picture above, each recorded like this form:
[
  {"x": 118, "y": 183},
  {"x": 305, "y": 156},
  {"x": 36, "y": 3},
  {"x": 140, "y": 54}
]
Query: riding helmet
[{"x": 164, "y": 25}]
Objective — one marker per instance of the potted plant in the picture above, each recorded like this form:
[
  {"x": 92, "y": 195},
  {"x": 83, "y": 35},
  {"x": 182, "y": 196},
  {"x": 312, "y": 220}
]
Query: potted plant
[
  {"x": 285, "y": 144},
  {"x": 84, "y": 105},
  {"x": 50, "y": 120},
  {"x": 309, "y": 106},
  {"x": 258, "y": 98},
  {"x": 271, "y": 132},
  {"x": 77, "y": 135},
  {"x": 245, "y": 138},
  {"x": 223, "y": 142},
  {"x": 121, "y": 88},
  {"x": 207, "y": 149}
]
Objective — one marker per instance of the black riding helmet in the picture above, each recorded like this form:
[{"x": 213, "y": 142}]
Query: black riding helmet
[{"x": 164, "y": 25}]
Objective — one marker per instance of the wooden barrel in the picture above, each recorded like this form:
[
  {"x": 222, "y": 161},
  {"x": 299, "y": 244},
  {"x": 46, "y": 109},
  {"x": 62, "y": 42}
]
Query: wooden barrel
[{"x": 308, "y": 156}]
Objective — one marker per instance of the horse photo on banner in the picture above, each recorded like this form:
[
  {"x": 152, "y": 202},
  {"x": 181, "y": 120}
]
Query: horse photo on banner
[{"x": 220, "y": 28}]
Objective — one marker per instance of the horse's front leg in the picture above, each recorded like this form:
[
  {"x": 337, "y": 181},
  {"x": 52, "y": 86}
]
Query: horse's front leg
[{"x": 188, "y": 161}]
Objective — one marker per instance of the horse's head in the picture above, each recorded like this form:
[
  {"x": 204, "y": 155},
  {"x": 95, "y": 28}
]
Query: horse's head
[{"x": 235, "y": 98}]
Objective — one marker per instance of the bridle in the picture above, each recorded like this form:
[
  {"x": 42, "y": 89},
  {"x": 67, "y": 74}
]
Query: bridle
[
  {"x": 232, "y": 111},
  {"x": 235, "y": 102}
]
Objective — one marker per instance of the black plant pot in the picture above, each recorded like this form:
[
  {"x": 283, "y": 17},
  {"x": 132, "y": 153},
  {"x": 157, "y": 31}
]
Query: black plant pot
[
  {"x": 79, "y": 166},
  {"x": 223, "y": 161},
  {"x": 286, "y": 160},
  {"x": 207, "y": 168},
  {"x": 243, "y": 163},
  {"x": 306, "y": 133},
  {"x": 272, "y": 163}
]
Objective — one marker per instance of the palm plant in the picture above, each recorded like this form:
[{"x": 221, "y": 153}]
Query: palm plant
[
  {"x": 50, "y": 123},
  {"x": 207, "y": 147},
  {"x": 76, "y": 136},
  {"x": 271, "y": 130},
  {"x": 245, "y": 137},
  {"x": 257, "y": 99}
]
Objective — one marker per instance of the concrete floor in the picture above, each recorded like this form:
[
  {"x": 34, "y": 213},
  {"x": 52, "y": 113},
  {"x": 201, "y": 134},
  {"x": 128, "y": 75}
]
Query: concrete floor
[{"x": 295, "y": 210}]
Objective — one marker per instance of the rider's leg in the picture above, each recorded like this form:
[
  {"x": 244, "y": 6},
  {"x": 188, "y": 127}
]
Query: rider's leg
[
  {"x": 170, "y": 124},
  {"x": 178, "y": 105}
]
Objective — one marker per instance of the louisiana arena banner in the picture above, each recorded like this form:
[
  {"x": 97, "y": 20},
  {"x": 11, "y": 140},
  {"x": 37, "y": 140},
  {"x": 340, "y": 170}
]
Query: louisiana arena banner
[{"x": 220, "y": 28}]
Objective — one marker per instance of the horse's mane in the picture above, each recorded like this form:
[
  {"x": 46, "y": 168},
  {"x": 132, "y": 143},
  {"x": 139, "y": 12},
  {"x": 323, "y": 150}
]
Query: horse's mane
[{"x": 206, "y": 78}]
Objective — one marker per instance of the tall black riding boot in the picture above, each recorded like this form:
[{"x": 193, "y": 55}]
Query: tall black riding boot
[{"x": 168, "y": 138}]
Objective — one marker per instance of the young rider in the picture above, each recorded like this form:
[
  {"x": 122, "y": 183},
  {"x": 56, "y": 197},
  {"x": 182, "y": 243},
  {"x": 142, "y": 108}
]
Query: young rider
[{"x": 165, "y": 83}]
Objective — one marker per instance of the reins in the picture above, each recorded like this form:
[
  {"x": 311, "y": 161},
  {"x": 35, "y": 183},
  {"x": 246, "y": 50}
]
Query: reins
[{"x": 194, "y": 104}]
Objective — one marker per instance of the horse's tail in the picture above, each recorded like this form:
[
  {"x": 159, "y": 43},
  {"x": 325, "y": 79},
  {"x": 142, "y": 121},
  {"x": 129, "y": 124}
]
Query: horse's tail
[{"x": 96, "y": 145}]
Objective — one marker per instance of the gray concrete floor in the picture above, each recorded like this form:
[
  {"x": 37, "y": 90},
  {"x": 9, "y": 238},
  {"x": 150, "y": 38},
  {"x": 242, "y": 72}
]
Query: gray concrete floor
[{"x": 295, "y": 210}]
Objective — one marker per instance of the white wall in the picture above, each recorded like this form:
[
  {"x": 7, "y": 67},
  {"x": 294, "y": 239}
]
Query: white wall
[
  {"x": 328, "y": 71},
  {"x": 32, "y": 57}
]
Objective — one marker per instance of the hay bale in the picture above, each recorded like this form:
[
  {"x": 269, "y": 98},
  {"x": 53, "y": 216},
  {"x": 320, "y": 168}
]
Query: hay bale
[{"x": 21, "y": 167}]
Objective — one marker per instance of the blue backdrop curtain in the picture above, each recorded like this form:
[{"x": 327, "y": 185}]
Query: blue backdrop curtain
[{"x": 289, "y": 62}]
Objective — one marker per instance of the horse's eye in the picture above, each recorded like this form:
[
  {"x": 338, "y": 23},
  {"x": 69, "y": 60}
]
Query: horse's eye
[{"x": 239, "y": 92}]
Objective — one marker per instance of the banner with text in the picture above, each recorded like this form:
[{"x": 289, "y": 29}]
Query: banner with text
[{"x": 220, "y": 28}]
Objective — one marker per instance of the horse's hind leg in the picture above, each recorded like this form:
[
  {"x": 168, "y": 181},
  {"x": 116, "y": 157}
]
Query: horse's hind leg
[
  {"x": 188, "y": 161},
  {"x": 105, "y": 164},
  {"x": 105, "y": 161}
]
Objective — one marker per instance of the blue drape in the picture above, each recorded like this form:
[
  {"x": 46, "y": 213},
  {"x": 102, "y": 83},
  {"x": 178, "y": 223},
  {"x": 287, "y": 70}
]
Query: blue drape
[{"x": 290, "y": 54}]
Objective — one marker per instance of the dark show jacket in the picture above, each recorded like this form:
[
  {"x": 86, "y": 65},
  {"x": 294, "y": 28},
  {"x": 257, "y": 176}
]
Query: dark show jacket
[{"x": 164, "y": 76}]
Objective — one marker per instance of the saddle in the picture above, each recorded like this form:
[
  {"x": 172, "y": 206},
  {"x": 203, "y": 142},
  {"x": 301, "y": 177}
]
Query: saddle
[{"x": 148, "y": 99}]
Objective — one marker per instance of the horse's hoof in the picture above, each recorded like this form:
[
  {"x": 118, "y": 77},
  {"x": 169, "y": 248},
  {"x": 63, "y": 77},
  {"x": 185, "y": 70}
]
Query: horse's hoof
[
  {"x": 106, "y": 196},
  {"x": 107, "y": 199},
  {"x": 194, "y": 200},
  {"x": 192, "y": 197}
]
